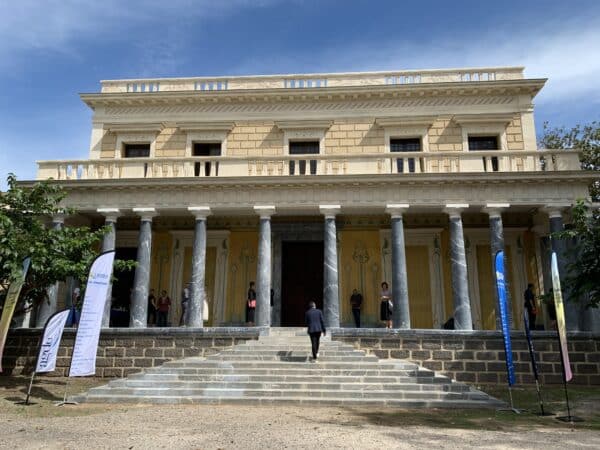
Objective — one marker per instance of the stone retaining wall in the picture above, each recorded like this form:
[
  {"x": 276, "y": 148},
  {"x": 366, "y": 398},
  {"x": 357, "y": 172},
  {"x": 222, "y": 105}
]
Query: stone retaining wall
[
  {"x": 123, "y": 351},
  {"x": 478, "y": 356}
]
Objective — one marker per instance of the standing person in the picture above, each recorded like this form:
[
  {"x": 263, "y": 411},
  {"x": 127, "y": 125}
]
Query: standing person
[
  {"x": 163, "y": 305},
  {"x": 250, "y": 305},
  {"x": 316, "y": 326},
  {"x": 551, "y": 309},
  {"x": 386, "y": 307},
  {"x": 356, "y": 302},
  {"x": 530, "y": 305},
  {"x": 151, "y": 308},
  {"x": 185, "y": 301}
]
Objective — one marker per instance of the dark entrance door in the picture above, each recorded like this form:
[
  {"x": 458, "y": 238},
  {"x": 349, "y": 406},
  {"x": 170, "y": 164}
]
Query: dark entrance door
[{"x": 301, "y": 280}]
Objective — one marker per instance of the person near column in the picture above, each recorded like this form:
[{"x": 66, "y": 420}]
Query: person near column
[
  {"x": 185, "y": 301},
  {"x": 316, "y": 327},
  {"x": 530, "y": 306},
  {"x": 356, "y": 302},
  {"x": 250, "y": 305},
  {"x": 386, "y": 307},
  {"x": 151, "y": 308},
  {"x": 163, "y": 305}
]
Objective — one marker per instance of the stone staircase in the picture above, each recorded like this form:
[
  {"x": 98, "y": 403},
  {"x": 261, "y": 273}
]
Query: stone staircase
[{"x": 278, "y": 369}]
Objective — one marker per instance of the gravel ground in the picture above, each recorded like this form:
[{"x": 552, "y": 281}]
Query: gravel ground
[{"x": 259, "y": 427}]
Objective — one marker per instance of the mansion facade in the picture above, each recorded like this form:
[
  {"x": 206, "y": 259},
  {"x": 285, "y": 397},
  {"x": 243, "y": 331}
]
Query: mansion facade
[{"x": 315, "y": 185}]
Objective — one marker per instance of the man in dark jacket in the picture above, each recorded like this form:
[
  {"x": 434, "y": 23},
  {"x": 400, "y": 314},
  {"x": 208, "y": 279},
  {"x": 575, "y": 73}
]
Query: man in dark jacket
[{"x": 316, "y": 326}]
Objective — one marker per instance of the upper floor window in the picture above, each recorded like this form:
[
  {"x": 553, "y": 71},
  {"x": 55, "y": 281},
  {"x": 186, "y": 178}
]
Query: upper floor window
[
  {"x": 304, "y": 148},
  {"x": 206, "y": 168},
  {"x": 403, "y": 79},
  {"x": 143, "y": 87},
  {"x": 220, "y": 85},
  {"x": 483, "y": 143},
  {"x": 136, "y": 150},
  {"x": 406, "y": 145},
  {"x": 478, "y": 143}
]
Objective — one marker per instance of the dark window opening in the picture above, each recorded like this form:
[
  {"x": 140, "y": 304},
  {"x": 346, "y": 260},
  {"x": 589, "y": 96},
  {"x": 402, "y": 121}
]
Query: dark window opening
[
  {"x": 483, "y": 143},
  {"x": 304, "y": 148},
  {"x": 136, "y": 150},
  {"x": 206, "y": 149},
  {"x": 406, "y": 145}
]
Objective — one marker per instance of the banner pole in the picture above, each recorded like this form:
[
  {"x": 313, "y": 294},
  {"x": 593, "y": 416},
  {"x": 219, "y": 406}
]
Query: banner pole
[
  {"x": 29, "y": 389},
  {"x": 568, "y": 418},
  {"x": 534, "y": 365}
]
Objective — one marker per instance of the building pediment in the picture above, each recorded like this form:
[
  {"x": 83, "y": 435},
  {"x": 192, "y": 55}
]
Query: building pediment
[
  {"x": 403, "y": 121},
  {"x": 303, "y": 125},
  {"x": 469, "y": 119},
  {"x": 205, "y": 126},
  {"x": 152, "y": 127}
]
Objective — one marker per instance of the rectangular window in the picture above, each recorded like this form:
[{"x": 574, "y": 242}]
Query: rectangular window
[
  {"x": 136, "y": 150},
  {"x": 304, "y": 148},
  {"x": 206, "y": 149},
  {"x": 483, "y": 143},
  {"x": 406, "y": 145}
]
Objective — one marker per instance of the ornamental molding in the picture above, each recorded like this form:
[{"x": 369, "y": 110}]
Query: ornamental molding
[
  {"x": 206, "y": 126},
  {"x": 495, "y": 118},
  {"x": 406, "y": 121},
  {"x": 134, "y": 127},
  {"x": 304, "y": 125}
]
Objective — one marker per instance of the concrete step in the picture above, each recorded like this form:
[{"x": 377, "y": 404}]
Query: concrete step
[
  {"x": 288, "y": 385},
  {"x": 275, "y": 364}
]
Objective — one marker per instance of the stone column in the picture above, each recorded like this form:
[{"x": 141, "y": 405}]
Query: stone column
[
  {"x": 50, "y": 305},
  {"x": 401, "y": 311},
  {"x": 263, "y": 270},
  {"x": 331, "y": 297},
  {"x": 139, "y": 304},
  {"x": 558, "y": 246},
  {"x": 198, "y": 291},
  {"x": 494, "y": 211},
  {"x": 108, "y": 244},
  {"x": 460, "y": 282}
]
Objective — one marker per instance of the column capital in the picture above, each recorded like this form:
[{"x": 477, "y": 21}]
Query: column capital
[
  {"x": 455, "y": 209},
  {"x": 555, "y": 211},
  {"x": 110, "y": 214},
  {"x": 494, "y": 210},
  {"x": 264, "y": 211},
  {"x": 330, "y": 211},
  {"x": 200, "y": 212},
  {"x": 146, "y": 214},
  {"x": 397, "y": 209}
]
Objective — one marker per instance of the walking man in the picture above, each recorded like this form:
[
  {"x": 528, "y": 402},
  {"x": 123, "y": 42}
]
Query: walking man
[{"x": 316, "y": 326}]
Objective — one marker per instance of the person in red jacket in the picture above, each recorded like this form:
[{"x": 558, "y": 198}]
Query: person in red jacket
[{"x": 162, "y": 306}]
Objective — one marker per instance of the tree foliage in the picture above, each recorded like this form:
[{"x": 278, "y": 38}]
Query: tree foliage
[
  {"x": 55, "y": 253},
  {"x": 581, "y": 137}
]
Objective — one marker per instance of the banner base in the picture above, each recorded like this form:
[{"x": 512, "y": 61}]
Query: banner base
[
  {"x": 65, "y": 402},
  {"x": 570, "y": 419},
  {"x": 515, "y": 410}
]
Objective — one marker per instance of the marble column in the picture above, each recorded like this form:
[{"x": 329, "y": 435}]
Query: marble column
[
  {"x": 401, "y": 311},
  {"x": 50, "y": 304},
  {"x": 108, "y": 244},
  {"x": 141, "y": 282},
  {"x": 494, "y": 211},
  {"x": 559, "y": 247},
  {"x": 198, "y": 291},
  {"x": 460, "y": 282},
  {"x": 263, "y": 270},
  {"x": 331, "y": 297}
]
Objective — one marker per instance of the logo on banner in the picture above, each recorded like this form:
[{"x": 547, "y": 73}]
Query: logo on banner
[
  {"x": 503, "y": 306},
  {"x": 50, "y": 341},
  {"x": 85, "y": 349}
]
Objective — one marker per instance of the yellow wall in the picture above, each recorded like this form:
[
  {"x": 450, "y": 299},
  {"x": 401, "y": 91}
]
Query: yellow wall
[
  {"x": 356, "y": 246},
  {"x": 243, "y": 249},
  {"x": 419, "y": 286},
  {"x": 160, "y": 269}
]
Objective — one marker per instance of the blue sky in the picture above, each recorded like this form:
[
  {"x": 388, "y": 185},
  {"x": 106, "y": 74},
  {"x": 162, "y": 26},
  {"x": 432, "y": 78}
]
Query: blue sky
[{"x": 52, "y": 50}]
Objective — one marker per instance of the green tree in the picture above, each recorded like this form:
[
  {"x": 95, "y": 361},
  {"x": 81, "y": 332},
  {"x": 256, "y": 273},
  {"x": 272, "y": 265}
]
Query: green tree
[
  {"x": 581, "y": 137},
  {"x": 583, "y": 234},
  {"x": 55, "y": 253}
]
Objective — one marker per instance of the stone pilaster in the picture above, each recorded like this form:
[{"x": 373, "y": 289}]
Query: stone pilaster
[
  {"x": 331, "y": 297},
  {"x": 198, "y": 291},
  {"x": 460, "y": 282},
  {"x": 263, "y": 270},
  {"x": 401, "y": 311},
  {"x": 141, "y": 282},
  {"x": 494, "y": 211},
  {"x": 50, "y": 305},
  {"x": 108, "y": 244}
]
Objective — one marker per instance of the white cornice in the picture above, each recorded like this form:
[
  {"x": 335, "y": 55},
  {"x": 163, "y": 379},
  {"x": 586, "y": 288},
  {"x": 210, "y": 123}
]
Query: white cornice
[
  {"x": 205, "y": 126},
  {"x": 402, "y": 121},
  {"x": 137, "y": 127},
  {"x": 466, "y": 119},
  {"x": 303, "y": 124}
]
